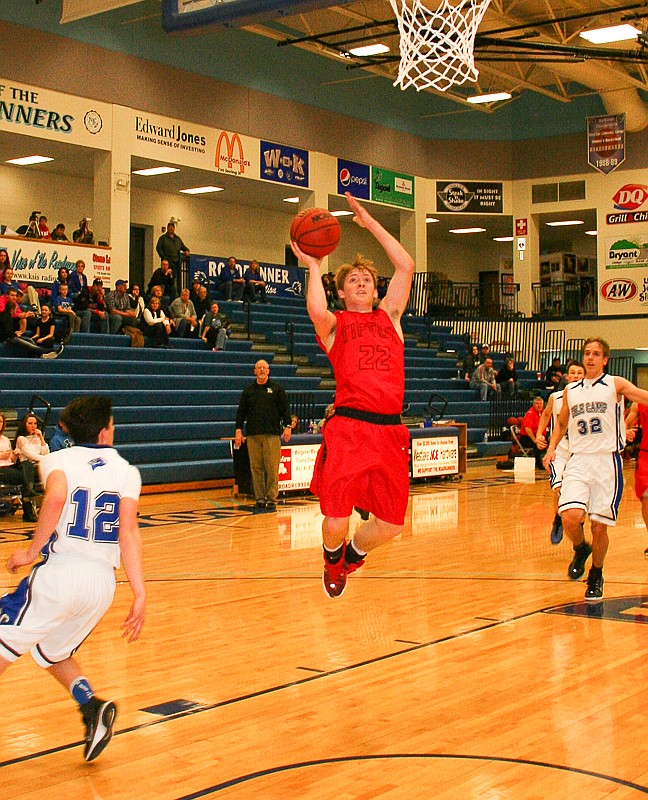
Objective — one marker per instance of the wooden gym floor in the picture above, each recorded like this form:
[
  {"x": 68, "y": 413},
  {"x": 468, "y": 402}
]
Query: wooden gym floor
[{"x": 460, "y": 663}]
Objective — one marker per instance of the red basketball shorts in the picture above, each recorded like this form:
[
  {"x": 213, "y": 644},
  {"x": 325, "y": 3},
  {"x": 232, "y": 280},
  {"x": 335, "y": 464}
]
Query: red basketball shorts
[
  {"x": 365, "y": 465},
  {"x": 641, "y": 474}
]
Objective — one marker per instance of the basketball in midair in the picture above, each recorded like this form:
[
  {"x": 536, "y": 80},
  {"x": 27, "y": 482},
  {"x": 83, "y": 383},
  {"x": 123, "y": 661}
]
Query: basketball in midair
[{"x": 315, "y": 231}]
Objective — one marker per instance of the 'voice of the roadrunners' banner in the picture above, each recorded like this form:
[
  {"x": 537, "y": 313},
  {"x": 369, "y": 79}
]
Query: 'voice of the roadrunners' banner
[{"x": 280, "y": 280}]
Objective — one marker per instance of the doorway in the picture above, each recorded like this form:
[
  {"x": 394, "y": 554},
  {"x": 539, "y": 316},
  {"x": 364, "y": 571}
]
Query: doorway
[{"x": 136, "y": 255}]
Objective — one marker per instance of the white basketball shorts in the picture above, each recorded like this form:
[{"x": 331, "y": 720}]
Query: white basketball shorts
[
  {"x": 593, "y": 482},
  {"x": 55, "y": 608}
]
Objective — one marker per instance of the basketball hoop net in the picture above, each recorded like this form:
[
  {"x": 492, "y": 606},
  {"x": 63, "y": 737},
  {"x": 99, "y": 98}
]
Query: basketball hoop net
[{"x": 436, "y": 47}]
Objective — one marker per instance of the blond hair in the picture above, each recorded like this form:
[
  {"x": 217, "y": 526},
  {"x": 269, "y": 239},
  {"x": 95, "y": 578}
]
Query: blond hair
[
  {"x": 604, "y": 345},
  {"x": 359, "y": 262}
]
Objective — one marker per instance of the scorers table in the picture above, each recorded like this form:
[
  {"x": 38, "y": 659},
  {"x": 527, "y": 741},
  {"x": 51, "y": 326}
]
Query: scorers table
[{"x": 435, "y": 451}]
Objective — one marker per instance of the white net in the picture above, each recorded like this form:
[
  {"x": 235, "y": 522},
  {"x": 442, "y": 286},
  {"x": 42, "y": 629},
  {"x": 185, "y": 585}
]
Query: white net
[{"x": 436, "y": 47}]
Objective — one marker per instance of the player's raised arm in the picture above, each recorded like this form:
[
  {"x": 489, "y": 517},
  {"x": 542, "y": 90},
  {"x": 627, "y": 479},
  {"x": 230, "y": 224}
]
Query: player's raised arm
[
  {"x": 630, "y": 391},
  {"x": 398, "y": 292},
  {"x": 130, "y": 544},
  {"x": 318, "y": 311}
]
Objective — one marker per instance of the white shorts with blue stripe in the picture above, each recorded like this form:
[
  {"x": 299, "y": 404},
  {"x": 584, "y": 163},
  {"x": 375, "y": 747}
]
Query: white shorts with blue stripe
[{"x": 593, "y": 482}]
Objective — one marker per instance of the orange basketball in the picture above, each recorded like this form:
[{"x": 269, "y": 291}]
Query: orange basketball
[{"x": 315, "y": 231}]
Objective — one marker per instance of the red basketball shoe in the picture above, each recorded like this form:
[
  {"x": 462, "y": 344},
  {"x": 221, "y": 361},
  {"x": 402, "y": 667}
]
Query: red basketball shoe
[{"x": 335, "y": 575}]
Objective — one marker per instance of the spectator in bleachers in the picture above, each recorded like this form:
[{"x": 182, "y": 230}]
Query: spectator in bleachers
[
  {"x": 215, "y": 328},
  {"x": 254, "y": 284},
  {"x": 29, "y": 448},
  {"x": 7, "y": 281},
  {"x": 61, "y": 438},
  {"x": 484, "y": 353},
  {"x": 62, "y": 306},
  {"x": 44, "y": 335},
  {"x": 78, "y": 279},
  {"x": 381, "y": 287},
  {"x": 19, "y": 316},
  {"x": 31, "y": 229},
  {"x": 4, "y": 259},
  {"x": 529, "y": 430},
  {"x": 230, "y": 283},
  {"x": 43, "y": 228},
  {"x": 11, "y": 474},
  {"x": 81, "y": 307},
  {"x": 11, "y": 335},
  {"x": 156, "y": 291},
  {"x": 507, "y": 378},
  {"x": 156, "y": 324},
  {"x": 483, "y": 379},
  {"x": 183, "y": 316},
  {"x": 83, "y": 234},
  {"x": 470, "y": 362},
  {"x": 136, "y": 302},
  {"x": 97, "y": 307},
  {"x": 119, "y": 308},
  {"x": 330, "y": 290},
  {"x": 163, "y": 276},
  {"x": 63, "y": 277},
  {"x": 171, "y": 247},
  {"x": 201, "y": 303},
  {"x": 554, "y": 373},
  {"x": 58, "y": 234}
]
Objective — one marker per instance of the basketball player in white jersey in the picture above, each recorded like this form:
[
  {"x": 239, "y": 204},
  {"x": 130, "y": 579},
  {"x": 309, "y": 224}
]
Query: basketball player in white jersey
[
  {"x": 88, "y": 518},
  {"x": 592, "y": 417},
  {"x": 576, "y": 372}
]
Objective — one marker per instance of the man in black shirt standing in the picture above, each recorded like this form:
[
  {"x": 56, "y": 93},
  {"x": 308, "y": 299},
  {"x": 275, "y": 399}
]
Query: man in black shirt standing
[{"x": 264, "y": 404}]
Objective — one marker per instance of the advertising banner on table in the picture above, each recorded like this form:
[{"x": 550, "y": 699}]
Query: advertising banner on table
[
  {"x": 470, "y": 197},
  {"x": 38, "y": 260},
  {"x": 283, "y": 164},
  {"x": 606, "y": 142},
  {"x": 353, "y": 177},
  {"x": 296, "y": 466},
  {"x": 32, "y": 111},
  {"x": 280, "y": 280},
  {"x": 394, "y": 188},
  {"x": 435, "y": 456}
]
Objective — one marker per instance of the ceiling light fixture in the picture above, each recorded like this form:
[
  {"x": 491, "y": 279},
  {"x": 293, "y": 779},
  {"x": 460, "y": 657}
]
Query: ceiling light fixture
[
  {"x": 341, "y": 213},
  {"x": 468, "y": 230},
  {"x": 27, "y": 160},
  {"x": 202, "y": 190},
  {"x": 291, "y": 199},
  {"x": 591, "y": 233},
  {"x": 489, "y": 98},
  {"x": 502, "y": 238},
  {"x": 369, "y": 50},
  {"x": 155, "y": 171},
  {"x": 614, "y": 33},
  {"x": 430, "y": 220},
  {"x": 564, "y": 223}
]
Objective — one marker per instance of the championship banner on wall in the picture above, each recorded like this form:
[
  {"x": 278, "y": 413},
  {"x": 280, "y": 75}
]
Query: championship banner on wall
[
  {"x": 394, "y": 188},
  {"x": 606, "y": 142},
  {"x": 435, "y": 456},
  {"x": 470, "y": 197},
  {"x": 32, "y": 111},
  {"x": 280, "y": 280},
  {"x": 39, "y": 260}
]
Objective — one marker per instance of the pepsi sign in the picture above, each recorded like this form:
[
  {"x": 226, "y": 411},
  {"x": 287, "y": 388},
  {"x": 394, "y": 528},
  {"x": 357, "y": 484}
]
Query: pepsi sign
[
  {"x": 630, "y": 197},
  {"x": 353, "y": 178},
  {"x": 618, "y": 290}
]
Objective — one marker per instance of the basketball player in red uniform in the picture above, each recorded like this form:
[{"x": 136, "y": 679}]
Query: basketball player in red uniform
[
  {"x": 363, "y": 460},
  {"x": 638, "y": 415}
]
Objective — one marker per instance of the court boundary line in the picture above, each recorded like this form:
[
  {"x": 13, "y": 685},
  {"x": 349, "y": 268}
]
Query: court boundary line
[
  {"x": 432, "y": 756},
  {"x": 282, "y": 686}
]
